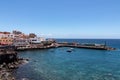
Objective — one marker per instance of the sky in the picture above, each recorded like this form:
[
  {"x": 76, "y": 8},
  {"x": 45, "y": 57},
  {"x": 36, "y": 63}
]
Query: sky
[{"x": 62, "y": 18}]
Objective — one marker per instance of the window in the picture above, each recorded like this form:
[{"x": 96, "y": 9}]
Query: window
[{"x": 34, "y": 40}]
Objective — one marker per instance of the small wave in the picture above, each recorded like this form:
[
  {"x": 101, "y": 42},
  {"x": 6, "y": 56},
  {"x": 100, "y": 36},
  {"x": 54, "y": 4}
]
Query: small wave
[
  {"x": 24, "y": 79},
  {"x": 25, "y": 61}
]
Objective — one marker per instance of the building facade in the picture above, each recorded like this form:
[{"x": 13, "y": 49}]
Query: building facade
[
  {"x": 6, "y": 41},
  {"x": 21, "y": 42},
  {"x": 6, "y": 35},
  {"x": 36, "y": 40}
]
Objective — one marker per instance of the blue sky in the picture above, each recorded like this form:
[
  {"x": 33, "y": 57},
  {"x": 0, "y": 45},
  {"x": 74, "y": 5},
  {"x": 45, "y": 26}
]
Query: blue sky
[{"x": 62, "y": 18}]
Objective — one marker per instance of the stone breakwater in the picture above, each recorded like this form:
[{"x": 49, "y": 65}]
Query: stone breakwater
[
  {"x": 86, "y": 46},
  {"x": 66, "y": 44}
]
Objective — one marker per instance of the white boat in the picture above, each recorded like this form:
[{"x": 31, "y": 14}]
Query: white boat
[{"x": 70, "y": 50}]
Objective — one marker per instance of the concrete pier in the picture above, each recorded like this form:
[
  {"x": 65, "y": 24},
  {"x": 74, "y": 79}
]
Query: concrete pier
[
  {"x": 86, "y": 46},
  {"x": 73, "y": 45}
]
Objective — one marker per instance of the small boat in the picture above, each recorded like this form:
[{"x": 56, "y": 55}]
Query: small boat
[{"x": 69, "y": 51}]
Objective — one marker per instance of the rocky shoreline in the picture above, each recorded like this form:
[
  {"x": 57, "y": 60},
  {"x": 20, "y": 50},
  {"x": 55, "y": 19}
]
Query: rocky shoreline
[{"x": 6, "y": 69}]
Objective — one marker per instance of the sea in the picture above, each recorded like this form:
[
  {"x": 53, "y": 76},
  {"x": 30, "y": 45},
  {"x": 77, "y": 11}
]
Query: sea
[{"x": 80, "y": 64}]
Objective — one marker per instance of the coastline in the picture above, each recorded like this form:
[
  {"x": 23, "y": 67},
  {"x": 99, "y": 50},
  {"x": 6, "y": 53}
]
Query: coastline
[
  {"x": 58, "y": 64},
  {"x": 7, "y": 68}
]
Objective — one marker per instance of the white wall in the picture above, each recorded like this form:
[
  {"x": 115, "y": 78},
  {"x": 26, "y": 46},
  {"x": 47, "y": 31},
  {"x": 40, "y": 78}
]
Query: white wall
[
  {"x": 37, "y": 40},
  {"x": 7, "y": 35}
]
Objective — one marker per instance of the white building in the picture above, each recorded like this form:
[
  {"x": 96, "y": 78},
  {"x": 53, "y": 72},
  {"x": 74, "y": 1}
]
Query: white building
[
  {"x": 37, "y": 40},
  {"x": 42, "y": 39},
  {"x": 10, "y": 35},
  {"x": 2, "y": 35},
  {"x": 6, "y": 35}
]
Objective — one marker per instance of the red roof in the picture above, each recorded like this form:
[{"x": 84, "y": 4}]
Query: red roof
[{"x": 4, "y": 32}]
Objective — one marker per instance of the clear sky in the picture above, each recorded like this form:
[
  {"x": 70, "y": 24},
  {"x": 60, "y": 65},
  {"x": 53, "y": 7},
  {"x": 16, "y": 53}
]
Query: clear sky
[{"x": 62, "y": 18}]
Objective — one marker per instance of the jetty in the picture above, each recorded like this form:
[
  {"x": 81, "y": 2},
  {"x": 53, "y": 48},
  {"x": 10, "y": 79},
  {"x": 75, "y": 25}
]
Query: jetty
[
  {"x": 93, "y": 46},
  {"x": 86, "y": 46}
]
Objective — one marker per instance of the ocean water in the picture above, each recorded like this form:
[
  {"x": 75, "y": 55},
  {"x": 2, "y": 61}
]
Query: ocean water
[{"x": 80, "y": 64}]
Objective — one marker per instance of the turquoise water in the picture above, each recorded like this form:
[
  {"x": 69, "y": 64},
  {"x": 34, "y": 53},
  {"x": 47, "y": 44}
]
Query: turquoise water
[{"x": 80, "y": 64}]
